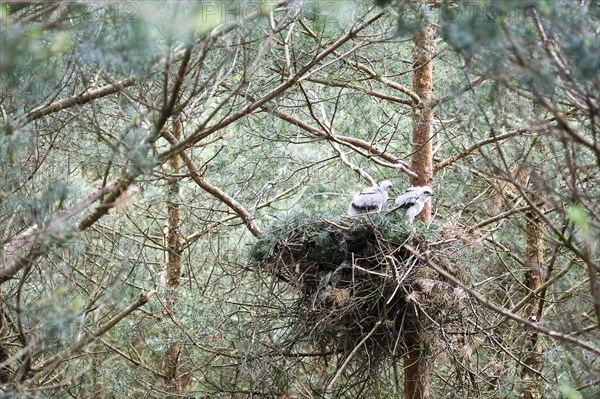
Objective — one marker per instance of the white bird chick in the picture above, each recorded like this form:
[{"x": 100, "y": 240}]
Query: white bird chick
[
  {"x": 370, "y": 199},
  {"x": 412, "y": 200}
]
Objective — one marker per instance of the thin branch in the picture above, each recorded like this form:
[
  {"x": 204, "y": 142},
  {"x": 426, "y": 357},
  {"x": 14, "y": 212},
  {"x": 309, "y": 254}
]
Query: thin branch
[
  {"x": 467, "y": 87},
  {"x": 168, "y": 111},
  {"x": 351, "y": 142},
  {"x": 415, "y": 99},
  {"x": 213, "y": 190},
  {"x": 514, "y": 133},
  {"x": 142, "y": 299},
  {"x": 137, "y": 362},
  {"x": 107, "y": 204},
  {"x": 259, "y": 103},
  {"x": 348, "y": 141},
  {"x": 363, "y": 89},
  {"x": 498, "y": 309},
  {"x": 79, "y": 99},
  {"x": 110, "y": 200},
  {"x": 548, "y": 46},
  {"x": 502, "y": 216},
  {"x": 564, "y": 125},
  {"x": 350, "y": 356},
  {"x": 328, "y": 129},
  {"x": 31, "y": 234},
  {"x": 189, "y": 240}
]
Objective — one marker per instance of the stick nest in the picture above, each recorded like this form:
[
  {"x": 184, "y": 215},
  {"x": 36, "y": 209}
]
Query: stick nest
[{"x": 357, "y": 284}]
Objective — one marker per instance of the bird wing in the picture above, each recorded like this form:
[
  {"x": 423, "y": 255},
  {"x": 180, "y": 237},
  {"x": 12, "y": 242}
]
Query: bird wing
[{"x": 408, "y": 198}]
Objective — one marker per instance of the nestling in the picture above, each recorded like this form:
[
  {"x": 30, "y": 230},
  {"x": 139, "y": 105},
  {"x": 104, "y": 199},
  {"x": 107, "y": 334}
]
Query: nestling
[
  {"x": 412, "y": 200},
  {"x": 370, "y": 199}
]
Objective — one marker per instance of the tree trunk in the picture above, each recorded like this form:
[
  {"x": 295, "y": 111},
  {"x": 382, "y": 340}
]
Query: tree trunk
[
  {"x": 173, "y": 268},
  {"x": 534, "y": 257},
  {"x": 97, "y": 385},
  {"x": 417, "y": 375},
  {"x": 416, "y": 366},
  {"x": 423, "y": 114},
  {"x": 173, "y": 271}
]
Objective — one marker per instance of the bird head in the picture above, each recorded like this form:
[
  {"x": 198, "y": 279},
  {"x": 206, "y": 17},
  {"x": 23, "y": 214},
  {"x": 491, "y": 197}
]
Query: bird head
[
  {"x": 426, "y": 190},
  {"x": 386, "y": 185}
]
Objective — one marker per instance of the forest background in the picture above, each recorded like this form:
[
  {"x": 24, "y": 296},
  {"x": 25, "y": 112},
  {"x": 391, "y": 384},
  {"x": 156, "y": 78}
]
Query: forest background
[{"x": 151, "y": 150}]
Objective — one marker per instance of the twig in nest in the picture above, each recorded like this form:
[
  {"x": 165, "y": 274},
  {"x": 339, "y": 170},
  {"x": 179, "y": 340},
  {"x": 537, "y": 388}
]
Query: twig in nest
[{"x": 345, "y": 364}]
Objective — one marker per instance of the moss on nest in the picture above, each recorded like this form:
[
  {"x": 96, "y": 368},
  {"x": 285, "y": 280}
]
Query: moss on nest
[{"x": 356, "y": 282}]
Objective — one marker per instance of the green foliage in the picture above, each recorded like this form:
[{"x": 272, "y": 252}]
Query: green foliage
[
  {"x": 412, "y": 18},
  {"x": 576, "y": 214},
  {"x": 568, "y": 392},
  {"x": 329, "y": 240},
  {"x": 120, "y": 45},
  {"x": 489, "y": 34}
]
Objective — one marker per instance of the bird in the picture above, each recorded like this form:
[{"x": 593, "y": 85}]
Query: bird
[
  {"x": 412, "y": 200},
  {"x": 370, "y": 199}
]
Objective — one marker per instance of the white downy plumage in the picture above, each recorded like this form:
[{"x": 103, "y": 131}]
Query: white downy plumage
[
  {"x": 370, "y": 199},
  {"x": 412, "y": 200}
]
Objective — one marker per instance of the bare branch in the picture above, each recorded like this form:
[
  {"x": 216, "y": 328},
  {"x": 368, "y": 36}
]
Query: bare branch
[
  {"x": 351, "y": 355},
  {"x": 119, "y": 188},
  {"x": 142, "y": 299},
  {"x": 366, "y": 90},
  {"x": 502, "y": 216},
  {"x": 189, "y": 240},
  {"x": 351, "y": 142},
  {"x": 372, "y": 73},
  {"x": 31, "y": 234},
  {"x": 467, "y": 87},
  {"x": 329, "y": 131},
  {"x": 30, "y": 237},
  {"x": 79, "y": 99},
  {"x": 213, "y": 190},
  {"x": 565, "y": 126},
  {"x": 259, "y": 103},
  {"x": 507, "y": 313},
  {"x": 495, "y": 139}
]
